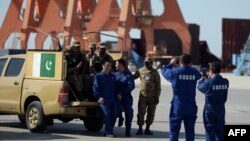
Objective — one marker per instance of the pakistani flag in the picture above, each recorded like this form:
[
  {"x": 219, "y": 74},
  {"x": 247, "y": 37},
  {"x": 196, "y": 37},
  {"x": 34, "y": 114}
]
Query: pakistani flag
[{"x": 44, "y": 65}]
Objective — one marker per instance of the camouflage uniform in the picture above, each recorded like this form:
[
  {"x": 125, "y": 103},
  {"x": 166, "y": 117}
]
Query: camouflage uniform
[
  {"x": 150, "y": 89},
  {"x": 104, "y": 57},
  {"x": 70, "y": 69},
  {"x": 75, "y": 73},
  {"x": 92, "y": 61}
]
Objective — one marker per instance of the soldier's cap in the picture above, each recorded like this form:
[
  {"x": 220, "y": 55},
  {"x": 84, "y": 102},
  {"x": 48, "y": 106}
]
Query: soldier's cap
[
  {"x": 75, "y": 48},
  {"x": 76, "y": 43},
  {"x": 102, "y": 45},
  {"x": 68, "y": 48},
  {"x": 148, "y": 60},
  {"x": 92, "y": 45}
]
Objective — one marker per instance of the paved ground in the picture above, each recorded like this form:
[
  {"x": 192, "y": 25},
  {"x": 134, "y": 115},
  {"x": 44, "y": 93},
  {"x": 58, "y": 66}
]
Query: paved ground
[{"x": 237, "y": 107}]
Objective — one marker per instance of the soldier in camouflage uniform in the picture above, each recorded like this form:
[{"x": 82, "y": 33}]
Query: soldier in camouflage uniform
[
  {"x": 70, "y": 71},
  {"x": 92, "y": 59},
  {"x": 150, "y": 89},
  {"x": 76, "y": 66},
  {"x": 104, "y": 56}
]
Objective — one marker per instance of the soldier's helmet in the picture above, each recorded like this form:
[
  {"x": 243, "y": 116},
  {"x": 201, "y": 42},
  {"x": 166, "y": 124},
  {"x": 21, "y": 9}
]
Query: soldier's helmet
[{"x": 148, "y": 60}]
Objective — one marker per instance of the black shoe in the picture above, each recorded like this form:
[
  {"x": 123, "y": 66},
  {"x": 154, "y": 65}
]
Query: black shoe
[
  {"x": 120, "y": 122},
  {"x": 128, "y": 134},
  {"x": 139, "y": 132},
  {"x": 110, "y": 135},
  {"x": 148, "y": 132}
]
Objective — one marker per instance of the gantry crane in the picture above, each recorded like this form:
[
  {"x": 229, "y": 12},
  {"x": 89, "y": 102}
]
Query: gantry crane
[{"x": 63, "y": 17}]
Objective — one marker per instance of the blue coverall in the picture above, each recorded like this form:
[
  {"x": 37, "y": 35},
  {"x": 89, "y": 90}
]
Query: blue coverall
[
  {"x": 215, "y": 90},
  {"x": 125, "y": 85},
  {"x": 105, "y": 86},
  {"x": 183, "y": 104}
]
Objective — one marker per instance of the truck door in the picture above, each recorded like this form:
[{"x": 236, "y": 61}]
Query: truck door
[
  {"x": 11, "y": 85},
  {"x": 2, "y": 67}
]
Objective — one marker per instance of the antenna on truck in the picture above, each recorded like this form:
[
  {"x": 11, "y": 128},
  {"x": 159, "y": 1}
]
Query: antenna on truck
[{"x": 47, "y": 34}]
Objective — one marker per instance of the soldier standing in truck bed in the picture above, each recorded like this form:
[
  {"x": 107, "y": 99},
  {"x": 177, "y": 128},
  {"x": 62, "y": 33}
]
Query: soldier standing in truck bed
[
  {"x": 103, "y": 56},
  {"x": 76, "y": 70},
  {"x": 92, "y": 58}
]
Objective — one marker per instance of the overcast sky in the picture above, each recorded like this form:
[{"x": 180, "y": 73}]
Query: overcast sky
[{"x": 206, "y": 13}]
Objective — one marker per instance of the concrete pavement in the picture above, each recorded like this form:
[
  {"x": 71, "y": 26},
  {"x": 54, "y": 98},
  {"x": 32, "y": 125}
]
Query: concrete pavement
[{"x": 237, "y": 112}]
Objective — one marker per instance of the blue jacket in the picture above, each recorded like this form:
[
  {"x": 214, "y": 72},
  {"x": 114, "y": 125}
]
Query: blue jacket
[
  {"x": 105, "y": 86},
  {"x": 125, "y": 83},
  {"x": 215, "y": 90},
  {"x": 183, "y": 80}
]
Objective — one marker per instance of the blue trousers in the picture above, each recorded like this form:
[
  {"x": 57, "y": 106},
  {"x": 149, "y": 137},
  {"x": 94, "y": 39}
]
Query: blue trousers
[
  {"x": 214, "y": 126},
  {"x": 127, "y": 104},
  {"x": 110, "y": 115},
  {"x": 175, "y": 124}
]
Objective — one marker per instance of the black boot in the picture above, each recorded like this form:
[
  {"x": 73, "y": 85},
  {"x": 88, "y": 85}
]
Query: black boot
[
  {"x": 128, "y": 133},
  {"x": 147, "y": 130},
  {"x": 120, "y": 121},
  {"x": 139, "y": 132}
]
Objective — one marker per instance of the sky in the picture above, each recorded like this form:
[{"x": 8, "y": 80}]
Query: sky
[{"x": 206, "y": 13}]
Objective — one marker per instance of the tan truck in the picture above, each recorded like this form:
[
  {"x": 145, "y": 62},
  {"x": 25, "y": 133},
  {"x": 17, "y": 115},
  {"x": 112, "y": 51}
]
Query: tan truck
[{"x": 33, "y": 86}]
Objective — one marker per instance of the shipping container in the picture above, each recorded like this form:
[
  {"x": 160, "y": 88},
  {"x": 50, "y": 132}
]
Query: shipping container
[{"x": 234, "y": 35}]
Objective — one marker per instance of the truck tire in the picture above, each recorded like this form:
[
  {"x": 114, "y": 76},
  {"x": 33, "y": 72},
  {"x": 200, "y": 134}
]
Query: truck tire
[
  {"x": 35, "y": 119},
  {"x": 21, "y": 118},
  {"x": 93, "y": 123}
]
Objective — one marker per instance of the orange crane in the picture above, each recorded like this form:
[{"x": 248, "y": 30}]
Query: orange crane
[{"x": 63, "y": 17}]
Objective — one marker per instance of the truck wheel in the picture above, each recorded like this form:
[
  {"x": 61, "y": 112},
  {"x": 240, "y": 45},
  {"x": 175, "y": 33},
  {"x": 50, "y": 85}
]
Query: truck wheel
[
  {"x": 93, "y": 124},
  {"x": 35, "y": 119},
  {"x": 21, "y": 118}
]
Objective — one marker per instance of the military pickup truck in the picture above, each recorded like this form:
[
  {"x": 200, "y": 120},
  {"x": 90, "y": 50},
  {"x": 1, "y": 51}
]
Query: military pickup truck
[{"x": 33, "y": 86}]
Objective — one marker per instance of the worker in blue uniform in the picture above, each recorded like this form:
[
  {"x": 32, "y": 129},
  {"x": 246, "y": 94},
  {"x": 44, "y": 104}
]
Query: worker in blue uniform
[
  {"x": 215, "y": 88},
  {"x": 183, "y": 104},
  {"x": 126, "y": 84},
  {"x": 105, "y": 91}
]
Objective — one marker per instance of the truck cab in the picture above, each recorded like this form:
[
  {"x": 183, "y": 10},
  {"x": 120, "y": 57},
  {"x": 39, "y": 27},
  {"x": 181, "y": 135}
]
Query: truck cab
[{"x": 11, "y": 81}]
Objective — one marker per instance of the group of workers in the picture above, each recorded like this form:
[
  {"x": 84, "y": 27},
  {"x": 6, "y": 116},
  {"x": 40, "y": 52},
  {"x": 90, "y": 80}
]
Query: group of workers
[{"x": 112, "y": 89}]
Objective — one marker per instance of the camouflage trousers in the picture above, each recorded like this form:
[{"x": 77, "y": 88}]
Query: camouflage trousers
[{"x": 146, "y": 104}]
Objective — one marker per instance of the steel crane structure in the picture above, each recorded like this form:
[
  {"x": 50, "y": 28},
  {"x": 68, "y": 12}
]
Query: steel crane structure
[{"x": 63, "y": 17}]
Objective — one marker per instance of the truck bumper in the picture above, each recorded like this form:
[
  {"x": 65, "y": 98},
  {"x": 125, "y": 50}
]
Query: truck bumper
[{"x": 81, "y": 109}]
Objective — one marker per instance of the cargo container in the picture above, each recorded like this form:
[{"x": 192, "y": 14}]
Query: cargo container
[{"x": 234, "y": 36}]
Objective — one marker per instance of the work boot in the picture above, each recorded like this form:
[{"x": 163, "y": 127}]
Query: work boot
[
  {"x": 120, "y": 122},
  {"x": 139, "y": 132},
  {"x": 147, "y": 130}
]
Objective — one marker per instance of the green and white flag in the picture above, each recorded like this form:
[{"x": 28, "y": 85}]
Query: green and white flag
[{"x": 44, "y": 65}]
